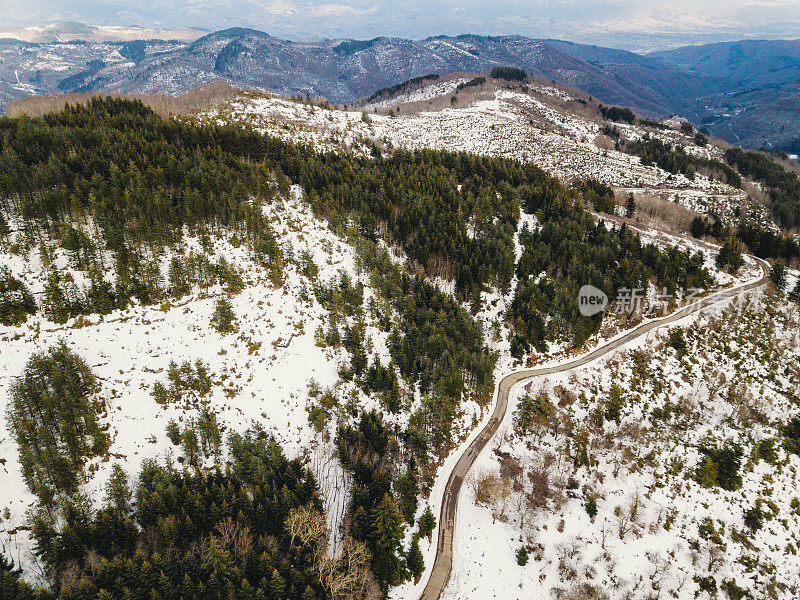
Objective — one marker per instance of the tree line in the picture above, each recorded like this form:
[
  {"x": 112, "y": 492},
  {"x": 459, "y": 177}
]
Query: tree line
[{"x": 782, "y": 184}]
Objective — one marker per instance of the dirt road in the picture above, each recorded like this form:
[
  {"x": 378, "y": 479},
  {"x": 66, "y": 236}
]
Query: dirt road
[{"x": 443, "y": 563}]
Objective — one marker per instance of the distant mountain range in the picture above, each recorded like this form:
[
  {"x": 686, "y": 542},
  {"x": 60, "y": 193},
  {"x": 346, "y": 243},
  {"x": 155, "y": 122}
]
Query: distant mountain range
[
  {"x": 745, "y": 92},
  {"x": 70, "y": 31}
]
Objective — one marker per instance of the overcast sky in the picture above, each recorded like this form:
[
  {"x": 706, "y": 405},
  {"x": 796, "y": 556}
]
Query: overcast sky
[{"x": 611, "y": 22}]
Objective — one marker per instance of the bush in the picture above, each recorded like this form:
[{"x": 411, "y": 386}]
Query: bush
[
  {"x": 720, "y": 467},
  {"x": 767, "y": 451},
  {"x": 706, "y": 584},
  {"x": 754, "y": 517},
  {"x": 677, "y": 341},
  {"x": 522, "y": 556},
  {"x": 734, "y": 591},
  {"x": 591, "y": 507}
]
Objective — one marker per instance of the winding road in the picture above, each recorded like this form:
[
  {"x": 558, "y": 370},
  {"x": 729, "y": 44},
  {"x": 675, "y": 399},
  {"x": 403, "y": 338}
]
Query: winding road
[{"x": 443, "y": 563}]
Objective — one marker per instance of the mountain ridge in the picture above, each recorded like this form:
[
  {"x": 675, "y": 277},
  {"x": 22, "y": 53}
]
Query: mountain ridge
[{"x": 687, "y": 81}]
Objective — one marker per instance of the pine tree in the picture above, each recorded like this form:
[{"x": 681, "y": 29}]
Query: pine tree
[
  {"x": 219, "y": 566},
  {"x": 591, "y": 507},
  {"x": 118, "y": 492},
  {"x": 414, "y": 560},
  {"x": 630, "y": 206},
  {"x": 16, "y": 300},
  {"x": 210, "y": 434},
  {"x": 387, "y": 531},
  {"x": 698, "y": 228},
  {"x": 53, "y": 417},
  {"x": 191, "y": 445},
  {"x": 178, "y": 279},
  {"x": 5, "y": 230},
  {"x": 11, "y": 584},
  {"x": 309, "y": 594},
  {"x": 427, "y": 523},
  {"x": 174, "y": 432},
  {"x": 276, "y": 586},
  {"x": 361, "y": 524},
  {"x": 581, "y": 456},
  {"x": 730, "y": 255},
  {"x": 55, "y": 304},
  {"x": 406, "y": 486},
  {"x": 706, "y": 474},
  {"x": 223, "y": 318},
  {"x": 778, "y": 274}
]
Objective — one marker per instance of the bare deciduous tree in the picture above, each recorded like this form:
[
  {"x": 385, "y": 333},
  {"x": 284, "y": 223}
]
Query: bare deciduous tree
[{"x": 235, "y": 538}]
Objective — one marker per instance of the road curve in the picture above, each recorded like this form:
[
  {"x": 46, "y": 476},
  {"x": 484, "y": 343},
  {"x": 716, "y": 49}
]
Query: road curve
[{"x": 443, "y": 563}]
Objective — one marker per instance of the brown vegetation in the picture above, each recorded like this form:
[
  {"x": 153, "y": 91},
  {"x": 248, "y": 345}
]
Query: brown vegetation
[{"x": 207, "y": 96}]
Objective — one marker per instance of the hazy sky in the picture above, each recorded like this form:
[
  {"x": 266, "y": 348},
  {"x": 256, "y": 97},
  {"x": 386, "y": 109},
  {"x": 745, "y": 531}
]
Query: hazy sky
[{"x": 621, "y": 22}]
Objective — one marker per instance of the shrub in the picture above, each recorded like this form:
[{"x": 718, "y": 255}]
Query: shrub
[
  {"x": 734, "y": 591},
  {"x": 754, "y": 517},
  {"x": 591, "y": 507},
  {"x": 677, "y": 341},
  {"x": 720, "y": 467},
  {"x": 767, "y": 451},
  {"x": 706, "y": 584}
]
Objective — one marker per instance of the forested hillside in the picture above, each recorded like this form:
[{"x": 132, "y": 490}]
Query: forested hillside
[{"x": 117, "y": 188}]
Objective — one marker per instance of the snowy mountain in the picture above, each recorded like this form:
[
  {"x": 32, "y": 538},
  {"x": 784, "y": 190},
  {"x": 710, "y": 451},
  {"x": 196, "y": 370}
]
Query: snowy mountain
[
  {"x": 373, "y": 262},
  {"x": 730, "y": 101},
  {"x": 339, "y": 70}
]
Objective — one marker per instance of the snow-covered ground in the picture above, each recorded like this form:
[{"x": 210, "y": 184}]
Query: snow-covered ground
[
  {"x": 261, "y": 373},
  {"x": 657, "y": 532},
  {"x": 427, "y": 92},
  {"x": 532, "y": 126}
]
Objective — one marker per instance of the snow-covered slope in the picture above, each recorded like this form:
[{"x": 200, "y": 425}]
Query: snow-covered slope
[
  {"x": 540, "y": 123},
  {"x": 261, "y": 373},
  {"x": 610, "y": 505}
]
